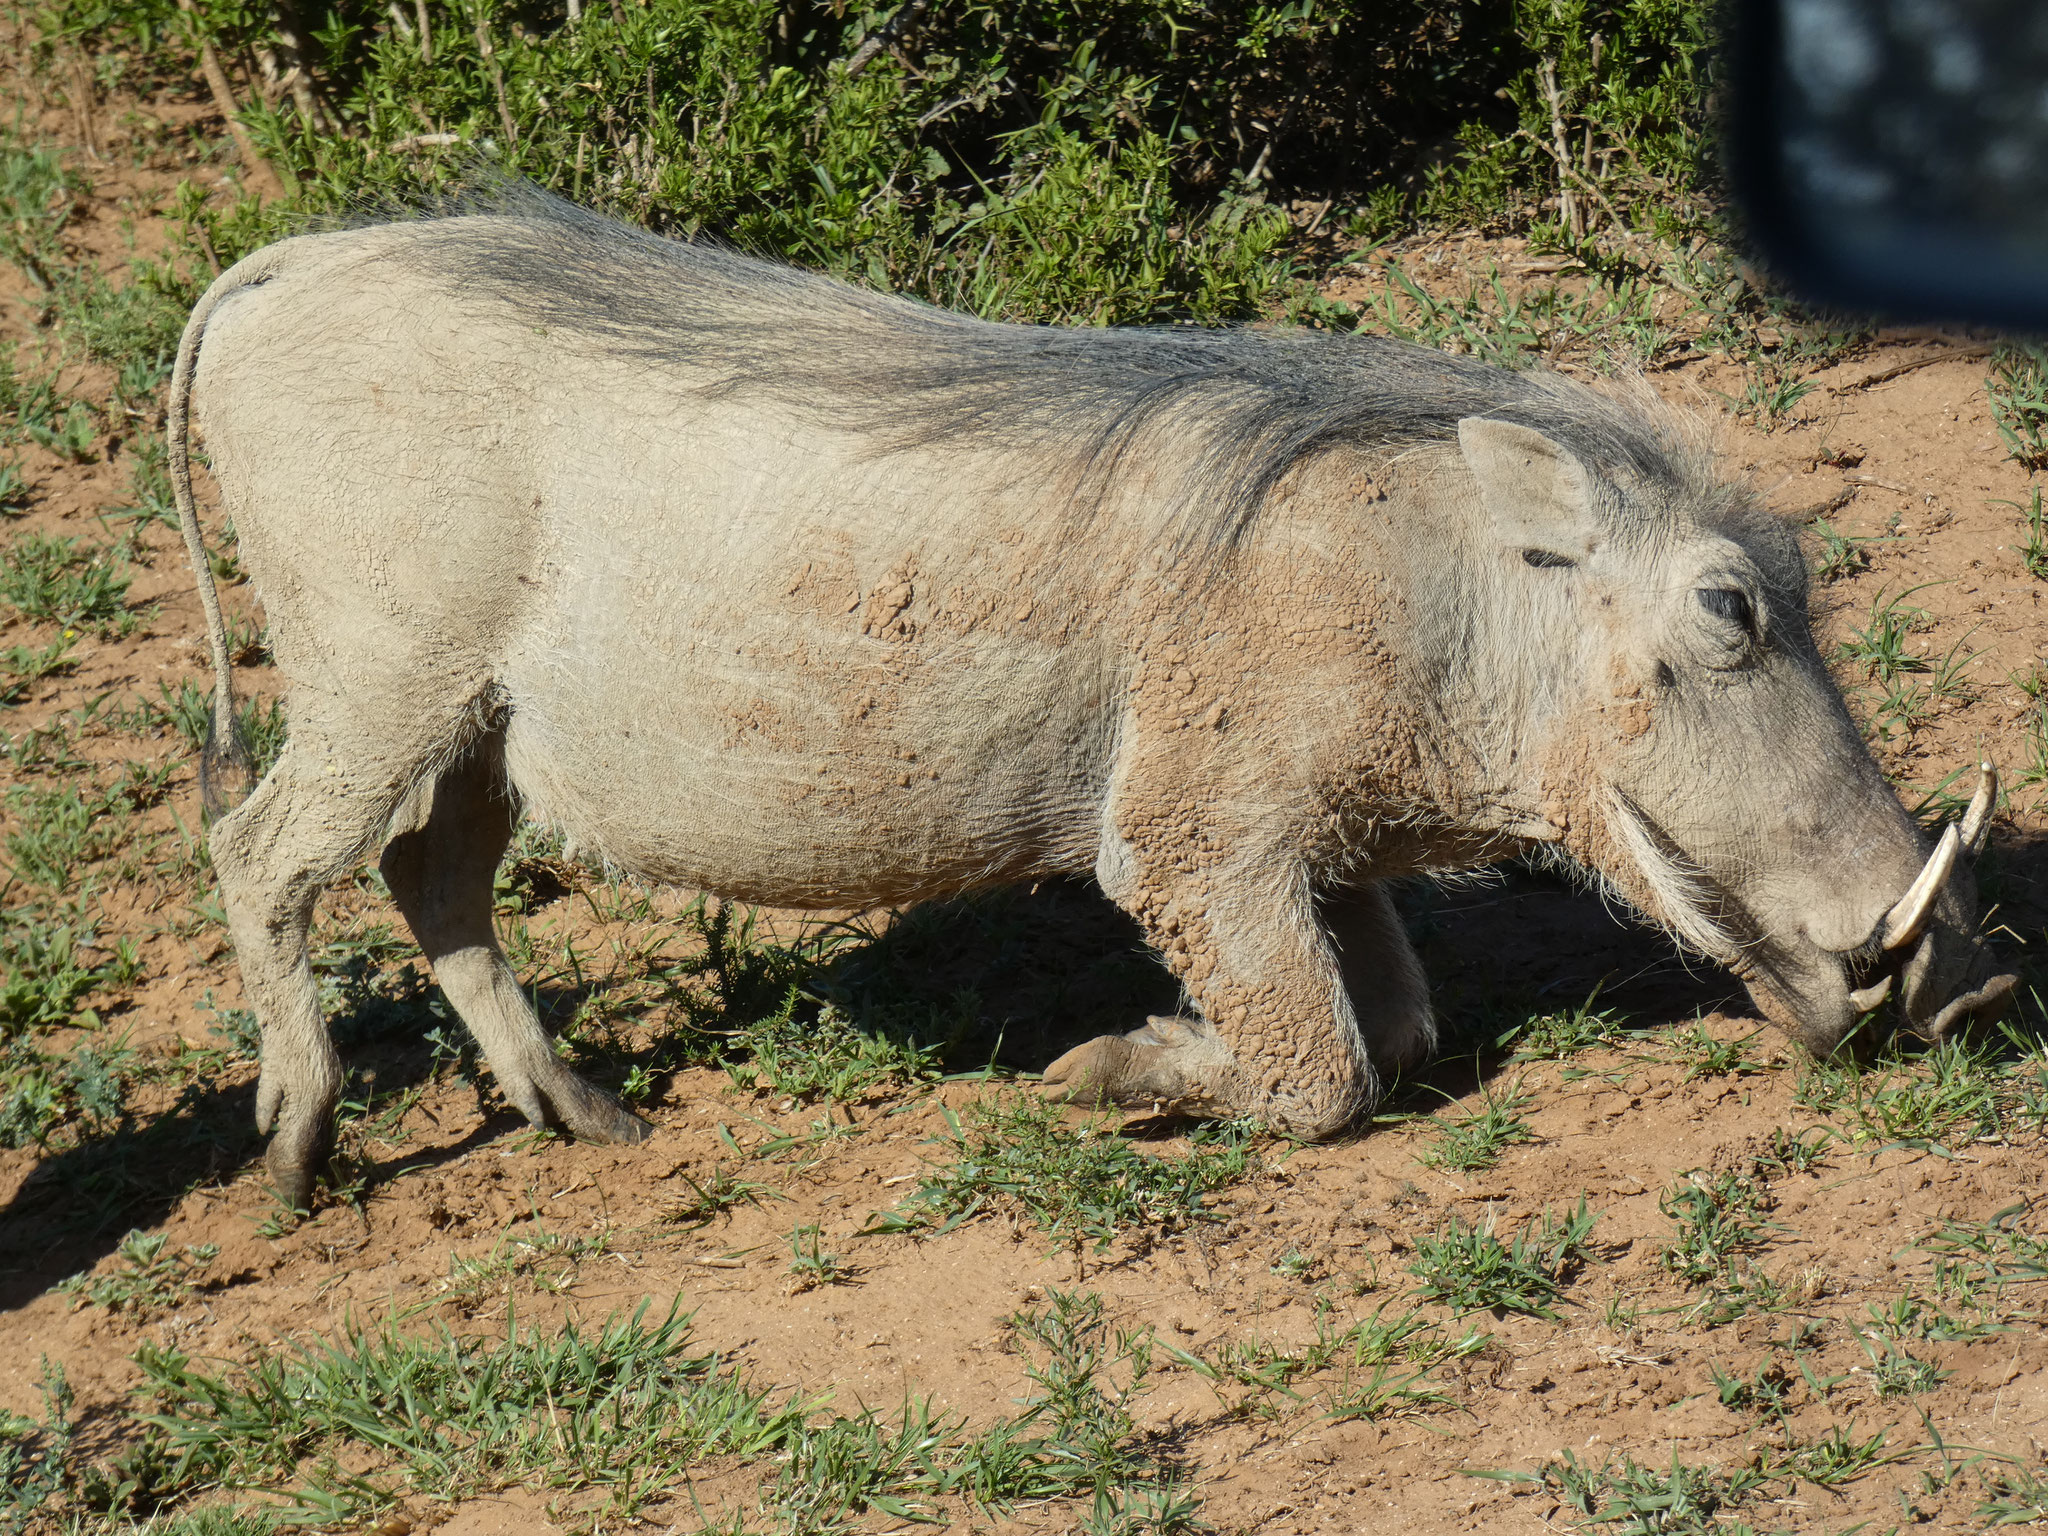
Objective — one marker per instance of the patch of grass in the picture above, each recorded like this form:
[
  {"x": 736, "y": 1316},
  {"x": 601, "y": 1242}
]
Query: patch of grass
[
  {"x": 825, "y": 1056},
  {"x": 1974, "y": 1258},
  {"x": 1916, "y": 1095},
  {"x": 1717, "y": 1224},
  {"x": 2013, "y": 1495},
  {"x": 547, "y": 1261},
  {"x": 1897, "y": 1372},
  {"x": 1382, "y": 1364},
  {"x": 1469, "y": 1269},
  {"x": 37, "y": 193},
  {"x": 2034, "y": 552},
  {"x": 63, "y": 582},
  {"x": 1770, "y": 394},
  {"x": 749, "y": 1005},
  {"x": 1623, "y": 1495},
  {"x": 1017, "y": 1155},
  {"x": 58, "y": 832},
  {"x": 134, "y": 326},
  {"x": 41, "y": 1093},
  {"x": 1841, "y": 554},
  {"x": 1087, "y": 1381},
  {"x": 35, "y": 410},
  {"x": 1706, "y": 1056},
  {"x": 1837, "y": 1458},
  {"x": 46, "y": 969},
  {"x": 36, "y": 1465},
  {"x": 14, "y": 489},
  {"x": 720, "y": 1191},
  {"x": 1560, "y": 1036},
  {"x": 2018, "y": 391},
  {"x": 452, "y": 1412},
  {"x": 1520, "y": 330},
  {"x": 24, "y": 666},
  {"x": 618, "y": 1416},
  {"x": 187, "y": 711},
  {"x": 1795, "y": 1151},
  {"x": 1475, "y": 1141},
  {"x": 1880, "y": 647},
  {"x": 1912, "y": 1316},
  {"x": 149, "y": 484},
  {"x": 810, "y": 1263},
  {"x": 1765, "y": 1393},
  {"x": 152, "y": 1275}
]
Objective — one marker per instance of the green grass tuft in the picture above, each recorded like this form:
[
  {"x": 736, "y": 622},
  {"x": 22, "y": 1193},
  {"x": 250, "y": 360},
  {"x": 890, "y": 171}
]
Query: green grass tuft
[
  {"x": 1018, "y": 1155},
  {"x": 60, "y": 581},
  {"x": 1469, "y": 1269}
]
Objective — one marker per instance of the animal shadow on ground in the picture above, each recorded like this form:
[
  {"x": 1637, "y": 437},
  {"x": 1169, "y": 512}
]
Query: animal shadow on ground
[
  {"x": 1044, "y": 969},
  {"x": 76, "y": 1205},
  {"x": 1003, "y": 980}
]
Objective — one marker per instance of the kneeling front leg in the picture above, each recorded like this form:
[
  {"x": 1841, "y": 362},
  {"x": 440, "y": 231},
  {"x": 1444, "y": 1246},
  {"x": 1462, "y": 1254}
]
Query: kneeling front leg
[{"x": 1276, "y": 1037}]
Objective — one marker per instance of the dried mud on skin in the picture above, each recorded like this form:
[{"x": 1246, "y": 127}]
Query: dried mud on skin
[{"x": 1324, "y": 1230}]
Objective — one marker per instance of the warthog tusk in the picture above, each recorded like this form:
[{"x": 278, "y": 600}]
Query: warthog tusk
[
  {"x": 1977, "y": 820},
  {"x": 1869, "y": 997},
  {"x": 1903, "y": 924}
]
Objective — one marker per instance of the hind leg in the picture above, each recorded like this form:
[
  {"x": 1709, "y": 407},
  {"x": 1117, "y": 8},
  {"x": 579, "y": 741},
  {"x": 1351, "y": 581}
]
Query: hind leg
[
  {"x": 315, "y": 816},
  {"x": 441, "y": 873},
  {"x": 1382, "y": 977}
]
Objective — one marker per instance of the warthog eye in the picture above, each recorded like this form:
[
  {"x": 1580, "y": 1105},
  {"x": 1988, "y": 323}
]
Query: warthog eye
[
  {"x": 1545, "y": 559},
  {"x": 1726, "y": 603}
]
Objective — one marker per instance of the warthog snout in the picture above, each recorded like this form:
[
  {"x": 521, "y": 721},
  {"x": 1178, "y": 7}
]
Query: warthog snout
[{"x": 1920, "y": 966}]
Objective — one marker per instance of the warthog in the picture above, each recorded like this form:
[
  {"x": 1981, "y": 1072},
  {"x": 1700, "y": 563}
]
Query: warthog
[{"x": 764, "y": 585}]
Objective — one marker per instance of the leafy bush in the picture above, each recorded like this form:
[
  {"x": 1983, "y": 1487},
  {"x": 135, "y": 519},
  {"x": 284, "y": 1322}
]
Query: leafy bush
[{"x": 1104, "y": 162}]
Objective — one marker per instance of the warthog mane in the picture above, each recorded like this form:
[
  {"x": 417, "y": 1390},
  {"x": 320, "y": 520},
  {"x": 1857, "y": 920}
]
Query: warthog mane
[{"x": 1251, "y": 404}]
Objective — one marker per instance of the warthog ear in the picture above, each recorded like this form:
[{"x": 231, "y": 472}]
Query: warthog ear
[{"x": 1536, "y": 492}]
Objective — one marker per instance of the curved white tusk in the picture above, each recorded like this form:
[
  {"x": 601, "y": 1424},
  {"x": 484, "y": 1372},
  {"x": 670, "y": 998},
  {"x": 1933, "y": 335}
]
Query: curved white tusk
[
  {"x": 1903, "y": 924},
  {"x": 1977, "y": 820},
  {"x": 1870, "y": 996}
]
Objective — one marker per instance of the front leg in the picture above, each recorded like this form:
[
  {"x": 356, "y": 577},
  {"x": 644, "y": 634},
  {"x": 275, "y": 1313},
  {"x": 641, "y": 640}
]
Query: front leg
[
  {"x": 1277, "y": 1038},
  {"x": 1382, "y": 977}
]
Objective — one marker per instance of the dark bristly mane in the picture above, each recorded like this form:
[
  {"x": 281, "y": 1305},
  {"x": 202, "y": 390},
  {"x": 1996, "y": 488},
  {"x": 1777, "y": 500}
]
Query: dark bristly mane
[{"x": 1245, "y": 406}]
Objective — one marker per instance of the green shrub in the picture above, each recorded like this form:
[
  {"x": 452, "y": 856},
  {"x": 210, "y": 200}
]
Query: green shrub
[{"x": 1095, "y": 163}]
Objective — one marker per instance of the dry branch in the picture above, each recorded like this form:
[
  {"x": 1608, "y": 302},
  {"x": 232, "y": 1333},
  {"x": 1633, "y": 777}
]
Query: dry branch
[{"x": 253, "y": 161}]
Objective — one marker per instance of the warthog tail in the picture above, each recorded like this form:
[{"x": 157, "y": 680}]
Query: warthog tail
[{"x": 227, "y": 769}]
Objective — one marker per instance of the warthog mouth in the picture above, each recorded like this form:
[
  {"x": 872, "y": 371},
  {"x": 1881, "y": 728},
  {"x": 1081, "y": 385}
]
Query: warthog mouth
[
  {"x": 1899, "y": 959},
  {"x": 1832, "y": 995}
]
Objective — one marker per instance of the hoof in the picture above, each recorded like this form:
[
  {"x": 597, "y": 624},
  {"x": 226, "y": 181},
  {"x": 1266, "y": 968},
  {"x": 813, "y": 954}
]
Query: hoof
[
  {"x": 622, "y": 1129},
  {"x": 1166, "y": 1064},
  {"x": 291, "y": 1181},
  {"x": 590, "y": 1114}
]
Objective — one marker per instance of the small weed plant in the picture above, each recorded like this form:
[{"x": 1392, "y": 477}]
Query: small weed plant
[
  {"x": 810, "y": 1264},
  {"x": 1621, "y": 1494},
  {"x": 1470, "y": 1142},
  {"x": 1469, "y": 1268},
  {"x": 151, "y": 1275},
  {"x": 1019, "y": 1156},
  {"x": 1841, "y": 555},
  {"x": 1374, "y": 1368},
  {"x": 1716, "y": 1220},
  {"x": 2018, "y": 391},
  {"x": 2033, "y": 548},
  {"x": 63, "y": 582},
  {"x": 1560, "y": 1036}
]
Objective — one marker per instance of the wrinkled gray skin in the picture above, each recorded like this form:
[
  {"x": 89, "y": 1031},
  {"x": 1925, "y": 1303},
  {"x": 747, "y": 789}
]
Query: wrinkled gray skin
[{"x": 750, "y": 602}]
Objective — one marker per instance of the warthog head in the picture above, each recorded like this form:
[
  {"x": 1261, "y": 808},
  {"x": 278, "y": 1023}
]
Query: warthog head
[{"x": 1694, "y": 751}]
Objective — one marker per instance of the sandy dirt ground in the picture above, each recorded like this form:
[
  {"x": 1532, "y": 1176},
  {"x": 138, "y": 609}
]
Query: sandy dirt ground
[{"x": 1896, "y": 443}]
